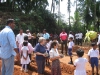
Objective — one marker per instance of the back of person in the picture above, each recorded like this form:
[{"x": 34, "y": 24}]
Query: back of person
[{"x": 80, "y": 64}]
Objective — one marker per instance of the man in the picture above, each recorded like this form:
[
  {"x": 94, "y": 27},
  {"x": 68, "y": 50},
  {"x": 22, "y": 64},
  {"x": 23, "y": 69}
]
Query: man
[
  {"x": 8, "y": 48},
  {"x": 45, "y": 34},
  {"x": 80, "y": 35},
  {"x": 76, "y": 38},
  {"x": 98, "y": 43},
  {"x": 20, "y": 37},
  {"x": 63, "y": 38},
  {"x": 29, "y": 36}
]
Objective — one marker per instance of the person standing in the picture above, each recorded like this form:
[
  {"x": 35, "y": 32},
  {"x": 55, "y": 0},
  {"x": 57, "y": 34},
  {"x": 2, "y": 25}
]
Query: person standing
[
  {"x": 45, "y": 34},
  {"x": 76, "y": 38},
  {"x": 29, "y": 36},
  {"x": 98, "y": 43},
  {"x": 93, "y": 55},
  {"x": 54, "y": 57},
  {"x": 70, "y": 35},
  {"x": 40, "y": 55},
  {"x": 80, "y": 35},
  {"x": 8, "y": 48},
  {"x": 63, "y": 38},
  {"x": 20, "y": 37},
  {"x": 30, "y": 51}
]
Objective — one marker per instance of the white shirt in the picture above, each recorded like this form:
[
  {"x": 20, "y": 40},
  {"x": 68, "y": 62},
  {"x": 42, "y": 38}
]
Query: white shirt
[
  {"x": 76, "y": 35},
  {"x": 53, "y": 53},
  {"x": 70, "y": 35},
  {"x": 39, "y": 35},
  {"x": 20, "y": 38},
  {"x": 80, "y": 35},
  {"x": 25, "y": 50},
  {"x": 48, "y": 45},
  {"x": 70, "y": 44},
  {"x": 80, "y": 66},
  {"x": 93, "y": 53},
  {"x": 29, "y": 35},
  {"x": 98, "y": 39}
]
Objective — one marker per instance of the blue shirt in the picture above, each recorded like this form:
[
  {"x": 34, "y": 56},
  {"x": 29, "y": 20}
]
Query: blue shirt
[
  {"x": 46, "y": 36},
  {"x": 7, "y": 43},
  {"x": 41, "y": 49}
]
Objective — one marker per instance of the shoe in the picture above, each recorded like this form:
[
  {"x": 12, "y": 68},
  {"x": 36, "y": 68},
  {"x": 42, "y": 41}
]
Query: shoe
[
  {"x": 25, "y": 70},
  {"x": 70, "y": 62},
  {"x": 97, "y": 74}
]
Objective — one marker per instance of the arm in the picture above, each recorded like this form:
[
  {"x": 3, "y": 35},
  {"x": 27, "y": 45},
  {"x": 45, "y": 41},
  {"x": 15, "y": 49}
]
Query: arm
[
  {"x": 11, "y": 39},
  {"x": 55, "y": 58}
]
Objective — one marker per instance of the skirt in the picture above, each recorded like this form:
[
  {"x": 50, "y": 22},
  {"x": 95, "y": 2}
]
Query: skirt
[
  {"x": 55, "y": 68},
  {"x": 27, "y": 61}
]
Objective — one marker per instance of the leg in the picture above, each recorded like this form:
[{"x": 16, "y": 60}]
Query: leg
[
  {"x": 65, "y": 47},
  {"x": 97, "y": 71},
  {"x": 9, "y": 65},
  {"x": 92, "y": 70},
  {"x": 40, "y": 66},
  {"x": 29, "y": 63},
  {"x": 43, "y": 66},
  {"x": 3, "y": 69},
  {"x": 22, "y": 67},
  {"x": 62, "y": 47},
  {"x": 26, "y": 68},
  {"x": 81, "y": 42},
  {"x": 99, "y": 48}
]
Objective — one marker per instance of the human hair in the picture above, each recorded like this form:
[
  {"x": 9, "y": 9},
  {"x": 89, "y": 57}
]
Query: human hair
[
  {"x": 93, "y": 44},
  {"x": 10, "y": 21},
  {"x": 71, "y": 38},
  {"x": 70, "y": 32},
  {"x": 80, "y": 53},
  {"x": 53, "y": 44},
  {"x": 25, "y": 43},
  {"x": 44, "y": 30},
  {"x": 47, "y": 40},
  {"x": 41, "y": 39},
  {"x": 26, "y": 37}
]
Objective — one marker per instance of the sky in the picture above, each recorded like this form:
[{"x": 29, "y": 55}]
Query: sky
[{"x": 63, "y": 8}]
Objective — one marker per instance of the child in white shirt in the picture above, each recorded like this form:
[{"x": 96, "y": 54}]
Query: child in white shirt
[
  {"x": 24, "y": 56},
  {"x": 93, "y": 55},
  {"x": 70, "y": 47},
  {"x": 80, "y": 63}
]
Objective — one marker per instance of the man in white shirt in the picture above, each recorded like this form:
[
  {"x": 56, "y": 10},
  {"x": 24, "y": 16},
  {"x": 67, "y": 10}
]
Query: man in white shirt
[
  {"x": 80, "y": 35},
  {"x": 29, "y": 36},
  {"x": 76, "y": 38},
  {"x": 20, "y": 37}
]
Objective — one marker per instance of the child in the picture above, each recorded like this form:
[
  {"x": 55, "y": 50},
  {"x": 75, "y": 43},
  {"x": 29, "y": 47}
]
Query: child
[
  {"x": 48, "y": 44},
  {"x": 93, "y": 55},
  {"x": 80, "y": 63},
  {"x": 24, "y": 56},
  {"x": 70, "y": 47}
]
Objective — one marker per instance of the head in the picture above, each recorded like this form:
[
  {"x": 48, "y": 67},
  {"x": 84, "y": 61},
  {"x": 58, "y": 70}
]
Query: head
[
  {"x": 11, "y": 23},
  {"x": 26, "y": 38},
  {"x": 44, "y": 31},
  {"x": 63, "y": 30},
  {"x": 21, "y": 31},
  {"x": 94, "y": 45},
  {"x": 27, "y": 31},
  {"x": 25, "y": 43},
  {"x": 47, "y": 40},
  {"x": 70, "y": 32},
  {"x": 42, "y": 40},
  {"x": 54, "y": 45},
  {"x": 71, "y": 39},
  {"x": 80, "y": 53}
]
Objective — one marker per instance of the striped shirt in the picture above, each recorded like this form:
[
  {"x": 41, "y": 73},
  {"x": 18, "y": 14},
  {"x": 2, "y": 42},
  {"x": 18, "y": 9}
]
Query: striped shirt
[{"x": 7, "y": 43}]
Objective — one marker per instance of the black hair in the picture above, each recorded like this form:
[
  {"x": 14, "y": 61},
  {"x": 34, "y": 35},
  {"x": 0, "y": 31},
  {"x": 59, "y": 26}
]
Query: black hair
[
  {"x": 71, "y": 38},
  {"x": 53, "y": 44},
  {"x": 25, "y": 43},
  {"x": 10, "y": 21},
  {"x": 93, "y": 44},
  {"x": 44, "y": 30},
  {"x": 70, "y": 32},
  {"x": 47, "y": 40},
  {"x": 26, "y": 37},
  {"x": 80, "y": 53}
]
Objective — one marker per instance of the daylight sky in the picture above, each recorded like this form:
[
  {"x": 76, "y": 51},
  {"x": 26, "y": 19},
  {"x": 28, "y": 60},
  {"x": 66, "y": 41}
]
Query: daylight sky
[{"x": 63, "y": 8}]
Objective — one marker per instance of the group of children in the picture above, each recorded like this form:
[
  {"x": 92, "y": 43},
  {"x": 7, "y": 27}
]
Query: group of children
[{"x": 79, "y": 63}]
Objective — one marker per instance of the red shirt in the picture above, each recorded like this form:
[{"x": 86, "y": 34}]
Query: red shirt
[{"x": 63, "y": 36}]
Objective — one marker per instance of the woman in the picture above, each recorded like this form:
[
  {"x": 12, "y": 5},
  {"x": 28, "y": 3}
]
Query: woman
[
  {"x": 40, "y": 55},
  {"x": 54, "y": 57}
]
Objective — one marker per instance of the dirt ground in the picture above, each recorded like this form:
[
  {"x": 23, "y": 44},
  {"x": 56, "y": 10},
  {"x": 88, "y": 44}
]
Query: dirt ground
[{"x": 65, "y": 67}]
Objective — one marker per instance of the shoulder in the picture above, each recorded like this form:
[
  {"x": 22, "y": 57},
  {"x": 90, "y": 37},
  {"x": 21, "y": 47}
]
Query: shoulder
[{"x": 52, "y": 50}]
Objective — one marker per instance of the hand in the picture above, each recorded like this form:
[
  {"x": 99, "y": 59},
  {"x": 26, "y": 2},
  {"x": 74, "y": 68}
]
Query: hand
[{"x": 44, "y": 55}]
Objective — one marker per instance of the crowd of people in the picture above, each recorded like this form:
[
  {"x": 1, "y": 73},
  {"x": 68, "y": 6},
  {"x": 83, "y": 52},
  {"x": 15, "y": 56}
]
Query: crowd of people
[{"x": 45, "y": 47}]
